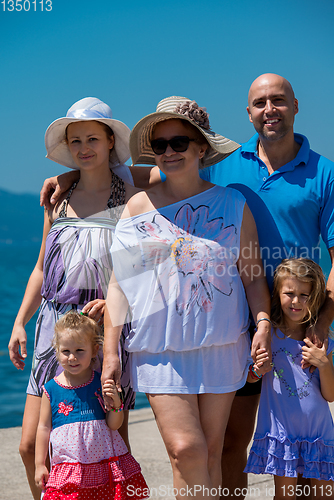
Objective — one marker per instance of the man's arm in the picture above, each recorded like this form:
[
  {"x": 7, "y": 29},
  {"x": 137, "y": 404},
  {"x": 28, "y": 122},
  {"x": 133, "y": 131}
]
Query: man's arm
[{"x": 53, "y": 187}]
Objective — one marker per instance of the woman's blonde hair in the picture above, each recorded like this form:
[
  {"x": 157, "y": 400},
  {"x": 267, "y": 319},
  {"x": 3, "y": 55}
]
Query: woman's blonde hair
[
  {"x": 305, "y": 270},
  {"x": 80, "y": 327}
]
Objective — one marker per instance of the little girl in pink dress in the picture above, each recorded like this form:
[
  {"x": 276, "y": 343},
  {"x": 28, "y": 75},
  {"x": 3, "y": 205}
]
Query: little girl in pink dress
[{"x": 90, "y": 460}]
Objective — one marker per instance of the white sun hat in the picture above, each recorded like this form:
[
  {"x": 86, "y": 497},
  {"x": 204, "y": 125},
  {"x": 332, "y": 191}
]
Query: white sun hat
[
  {"x": 87, "y": 109},
  {"x": 184, "y": 109}
]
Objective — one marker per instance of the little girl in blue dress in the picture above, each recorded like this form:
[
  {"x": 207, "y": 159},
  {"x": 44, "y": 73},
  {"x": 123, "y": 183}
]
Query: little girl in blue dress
[
  {"x": 90, "y": 461},
  {"x": 295, "y": 430}
]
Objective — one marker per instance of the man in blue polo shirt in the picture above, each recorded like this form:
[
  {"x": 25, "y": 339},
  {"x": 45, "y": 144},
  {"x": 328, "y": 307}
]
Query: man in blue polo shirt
[{"x": 289, "y": 189}]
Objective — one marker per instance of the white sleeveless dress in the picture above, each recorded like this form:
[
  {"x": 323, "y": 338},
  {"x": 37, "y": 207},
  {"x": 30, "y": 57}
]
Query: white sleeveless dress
[{"x": 177, "y": 266}]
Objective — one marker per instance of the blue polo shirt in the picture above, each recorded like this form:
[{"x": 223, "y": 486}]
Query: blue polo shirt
[{"x": 291, "y": 207}]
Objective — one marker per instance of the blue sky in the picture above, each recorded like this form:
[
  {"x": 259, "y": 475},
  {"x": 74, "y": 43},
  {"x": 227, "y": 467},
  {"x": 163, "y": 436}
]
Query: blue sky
[{"x": 132, "y": 54}]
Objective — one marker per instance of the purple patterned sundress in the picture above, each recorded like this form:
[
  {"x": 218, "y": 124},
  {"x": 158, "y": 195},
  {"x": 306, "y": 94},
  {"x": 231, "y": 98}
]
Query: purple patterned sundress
[{"x": 77, "y": 268}]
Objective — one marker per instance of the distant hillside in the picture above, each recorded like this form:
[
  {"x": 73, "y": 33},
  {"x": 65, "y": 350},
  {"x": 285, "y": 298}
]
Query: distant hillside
[{"x": 21, "y": 218}]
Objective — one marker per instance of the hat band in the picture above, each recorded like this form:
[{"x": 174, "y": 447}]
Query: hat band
[{"x": 86, "y": 113}]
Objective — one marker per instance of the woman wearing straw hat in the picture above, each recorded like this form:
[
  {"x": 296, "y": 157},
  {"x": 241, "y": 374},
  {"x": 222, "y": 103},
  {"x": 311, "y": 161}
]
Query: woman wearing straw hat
[
  {"x": 74, "y": 265},
  {"x": 179, "y": 263}
]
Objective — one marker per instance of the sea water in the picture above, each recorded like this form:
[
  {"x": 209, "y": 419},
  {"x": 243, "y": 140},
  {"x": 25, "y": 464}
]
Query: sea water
[{"x": 16, "y": 265}]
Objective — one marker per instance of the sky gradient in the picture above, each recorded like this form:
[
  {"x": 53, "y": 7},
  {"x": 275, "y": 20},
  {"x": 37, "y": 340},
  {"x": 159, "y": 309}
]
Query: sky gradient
[{"x": 132, "y": 54}]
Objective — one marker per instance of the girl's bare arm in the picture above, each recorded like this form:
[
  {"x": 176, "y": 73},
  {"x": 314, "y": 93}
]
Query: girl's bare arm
[
  {"x": 42, "y": 442},
  {"x": 114, "y": 418}
]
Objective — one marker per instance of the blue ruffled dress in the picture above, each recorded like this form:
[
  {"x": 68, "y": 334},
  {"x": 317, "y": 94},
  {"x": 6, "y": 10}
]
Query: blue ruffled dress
[{"x": 295, "y": 429}]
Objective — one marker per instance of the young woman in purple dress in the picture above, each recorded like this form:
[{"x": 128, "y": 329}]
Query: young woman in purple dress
[{"x": 74, "y": 264}]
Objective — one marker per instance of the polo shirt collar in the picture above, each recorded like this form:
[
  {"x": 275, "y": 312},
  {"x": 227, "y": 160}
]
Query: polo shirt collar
[{"x": 250, "y": 147}]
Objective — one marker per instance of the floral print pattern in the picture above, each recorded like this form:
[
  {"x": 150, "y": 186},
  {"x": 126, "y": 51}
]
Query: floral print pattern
[{"x": 194, "y": 253}]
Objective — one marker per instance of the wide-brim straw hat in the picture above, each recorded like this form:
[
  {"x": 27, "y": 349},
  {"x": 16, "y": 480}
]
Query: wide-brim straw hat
[
  {"x": 174, "y": 107},
  {"x": 87, "y": 109}
]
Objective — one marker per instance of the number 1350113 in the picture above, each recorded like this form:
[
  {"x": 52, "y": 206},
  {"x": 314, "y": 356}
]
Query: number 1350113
[{"x": 26, "y": 5}]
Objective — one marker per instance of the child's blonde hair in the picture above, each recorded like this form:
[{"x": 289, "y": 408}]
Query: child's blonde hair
[
  {"x": 79, "y": 327},
  {"x": 305, "y": 270}
]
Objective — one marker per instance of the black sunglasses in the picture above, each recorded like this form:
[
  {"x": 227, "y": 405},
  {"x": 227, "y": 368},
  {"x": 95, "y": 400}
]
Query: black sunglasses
[{"x": 179, "y": 144}]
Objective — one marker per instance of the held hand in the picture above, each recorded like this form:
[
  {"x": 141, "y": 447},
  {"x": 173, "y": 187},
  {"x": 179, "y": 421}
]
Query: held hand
[
  {"x": 262, "y": 340},
  {"x": 111, "y": 393},
  {"x": 41, "y": 476},
  {"x": 260, "y": 370},
  {"x": 111, "y": 372},
  {"x": 95, "y": 310},
  {"x": 317, "y": 337},
  {"x": 17, "y": 343},
  {"x": 262, "y": 356},
  {"x": 313, "y": 355}
]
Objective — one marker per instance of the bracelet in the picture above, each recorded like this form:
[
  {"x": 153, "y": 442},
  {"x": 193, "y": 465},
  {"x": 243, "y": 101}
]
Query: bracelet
[
  {"x": 263, "y": 319},
  {"x": 253, "y": 373},
  {"x": 116, "y": 410}
]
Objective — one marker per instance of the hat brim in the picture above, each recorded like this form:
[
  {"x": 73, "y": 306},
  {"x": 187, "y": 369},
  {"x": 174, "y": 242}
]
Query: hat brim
[
  {"x": 57, "y": 148},
  {"x": 140, "y": 140}
]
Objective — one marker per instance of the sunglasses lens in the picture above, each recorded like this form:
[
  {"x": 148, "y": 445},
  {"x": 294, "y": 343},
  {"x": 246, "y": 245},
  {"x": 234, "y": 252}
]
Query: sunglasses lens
[
  {"x": 159, "y": 146},
  {"x": 179, "y": 144}
]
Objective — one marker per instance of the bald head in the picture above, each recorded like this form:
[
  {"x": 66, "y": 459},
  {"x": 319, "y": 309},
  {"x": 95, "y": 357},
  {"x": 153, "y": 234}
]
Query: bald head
[
  {"x": 270, "y": 80},
  {"x": 272, "y": 107}
]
